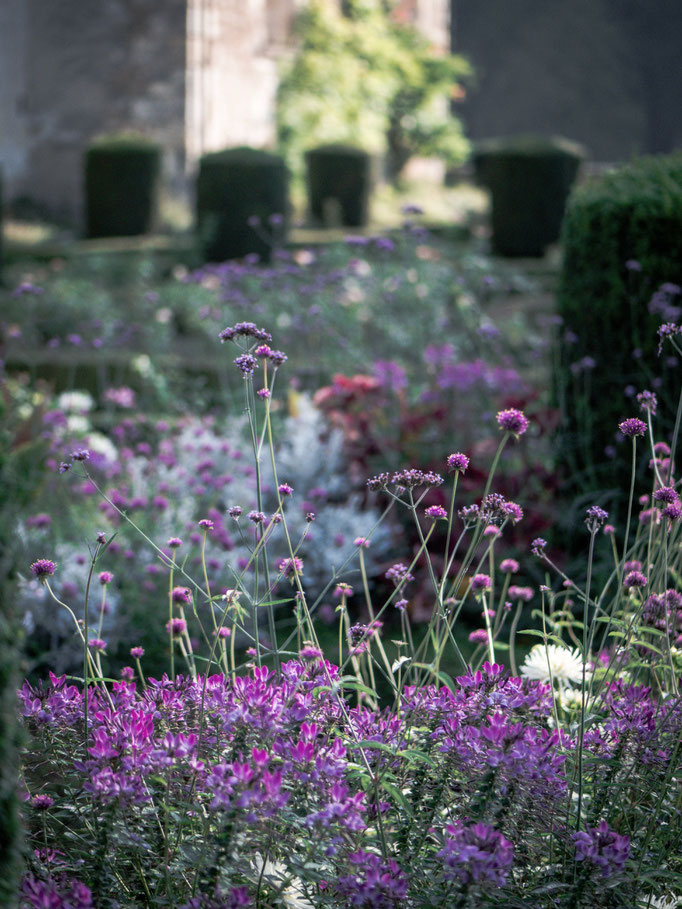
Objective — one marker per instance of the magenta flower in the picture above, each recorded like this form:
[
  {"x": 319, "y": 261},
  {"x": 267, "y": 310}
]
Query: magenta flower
[
  {"x": 435, "y": 512},
  {"x": 513, "y": 420},
  {"x": 290, "y": 567},
  {"x": 537, "y": 547},
  {"x": 521, "y": 593},
  {"x": 509, "y": 566},
  {"x": 480, "y": 583},
  {"x": 634, "y": 579},
  {"x": 176, "y": 626},
  {"x": 97, "y": 644},
  {"x": 181, "y": 596},
  {"x": 632, "y": 427},
  {"x": 479, "y": 636},
  {"x": 458, "y": 462},
  {"x": 666, "y": 494},
  {"x": 602, "y": 847},
  {"x": 284, "y": 489},
  {"x": 205, "y": 524},
  {"x": 361, "y": 542},
  {"x": 137, "y": 652},
  {"x": 174, "y": 542},
  {"x": 105, "y": 577},
  {"x": 43, "y": 568}
]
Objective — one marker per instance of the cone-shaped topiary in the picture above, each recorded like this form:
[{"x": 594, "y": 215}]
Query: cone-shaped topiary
[
  {"x": 241, "y": 203},
  {"x": 622, "y": 268},
  {"x": 339, "y": 178},
  {"x": 121, "y": 176},
  {"x": 529, "y": 179}
]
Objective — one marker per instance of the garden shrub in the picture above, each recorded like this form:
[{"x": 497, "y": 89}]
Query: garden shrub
[
  {"x": 121, "y": 175},
  {"x": 529, "y": 179},
  {"x": 241, "y": 196},
  {"x": 620, "y": 279},
  {"x": 340, "y": 173}
]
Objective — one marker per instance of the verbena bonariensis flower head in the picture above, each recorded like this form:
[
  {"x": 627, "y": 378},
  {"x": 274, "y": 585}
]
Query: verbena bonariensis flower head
[
  {"x": 632, "y": 427},
  {"x": 457, "y": 462},
  {"x": 476, "y": 853},
  {"x": 137, "y": 652},
  {"x": 595, "y": 517},
  {"x": 43, "y": 569},
  {"x": 509, "y": 566},
  {"x": 480, "y": 583},
  {"x": 246, "y": 364},
  {"x": 290, "y": 567},
  {"x": 648, "y": 402},
  {"x": 399, "y": 574},
  {"x": 284, "y": 489},
  {"x": 666, "y": 494},
  {"x": 176, "y": 626},
  {"x": 602, "y": 847},
  {"x": 513, "y": 421},
  {"x": 181, "y": 596},
  {"x": 521, "y": 593},
  {"x": 411, "y": 477},
  {"x": 105, "y": 577},
  {"x": 246, "y": 330},
  {"x": 436, "y": 512},
  {"x": 538, "y": 546},
  {"x": 174, "y": 542},
  {"x": 634, "y": 580}
]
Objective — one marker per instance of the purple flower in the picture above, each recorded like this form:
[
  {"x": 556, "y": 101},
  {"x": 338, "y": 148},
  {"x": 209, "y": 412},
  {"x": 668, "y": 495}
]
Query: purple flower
[
  {"x": 672, "y": 511},
  {"x": 634, "y": 579},
  {"x": 632, "y": 427},
  {"x": 290, "y": 567},
  {"x": 205, "y": 524},
  {"x": 521, "y": 593},
  {"x": 246, "y": 329},
  {"x": 537, "y": 547},
  {"x": 435, "y": 512},
  {"x": 235, "y": 511},
  {"x": 602, "y": 847},
  {"x": 666, "y": 494},
  {"x": 480, "y": 583},
  {"x": 278, "y": 358},
  {"x": 479, "y": 636},
  {"x": 647, "y": 401},
  {"x": 284, "y": 489},
  {"x": 181, "y": 596},
  {"x": 42, "y": 802},
  {"x": 105, "y": 577},
  {"x": 512, "y": 420},
  {"x": 246, "y": 364},
  {"x": 97, "y": 644},
  {"x": 263, "y": 393},
  {"x": 609, "y": 529},
  {"x": 595, "y": 517},
  {"x": 373, "y": 882},
  {"x": 509, "y": 566},
  {"x": 458, "y": 462},
  {"x": 476, "y": 852},
  {"x": 176, "y": 626},
  {"x": 361, "y": 542},
  {"x": 257, "y": 517},
  {"x": 399, "y": 574},
  {"x": 137, "y": 652},
  {"x": 81, "y": 455},
  {"x": 174, "y": 542},
  {"x": 43, "y": 568}
]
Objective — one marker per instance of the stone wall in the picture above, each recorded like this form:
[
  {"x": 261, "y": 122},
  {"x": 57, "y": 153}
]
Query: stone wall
[{"x": 606, "y": 73}]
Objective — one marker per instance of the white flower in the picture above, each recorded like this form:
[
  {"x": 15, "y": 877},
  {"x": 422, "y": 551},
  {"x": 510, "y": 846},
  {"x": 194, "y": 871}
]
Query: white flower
[
  {"x": 75, "y": 402},
  {"x": 553, "y": 662}
]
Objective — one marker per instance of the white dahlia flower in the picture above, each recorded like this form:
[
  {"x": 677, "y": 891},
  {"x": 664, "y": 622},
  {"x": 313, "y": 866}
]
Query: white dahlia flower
[{"x": 550, "y": 661}]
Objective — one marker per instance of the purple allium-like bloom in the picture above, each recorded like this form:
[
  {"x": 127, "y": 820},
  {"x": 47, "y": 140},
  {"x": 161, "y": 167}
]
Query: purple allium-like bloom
[
  {"x": 137, "y": 652},
  {"x": 39, "y": 520},
  {"x": 380, "y": 481},
  {"x": 513, "y": 511},
  {"x": 458, "y": 462},
  {"x": 469, "y": 513},
  {"x": 537, "y": 547},
  {"x": 609, "y": 529},
  {"x": 262, "y": 351},
  {"x": 97, "y": 644},
  {"x": 666, "y": 330},
  {"x": 264, "y": 393},
  {"x": 411, "y": 477},
  {"x": 492, "y": 531},
  {"x": 632, "y": 565},
  {"x": 666, "y": 494},
  {"x": 257, "y": 517},
  {"x": 401, "y": 604},
  {"x": 361, "y": 542},
  {"x": 399, "y": 574},
  {"x": 105, "y": 577},
  {"x": 359, "y": 636},
  {"x": 181, "y": 596},
  {"x": 476, "y": 852},
  {"x": 246, "y": 329},
  {"x": 82, "y": 454},
  {"x": 246, "y": 364},
  {"x": 634, "y": 579},
  {"x": 632, "y": 427},
  {"x": 309, "y": 652},
  {"x": 521, "y": 593},
  {"x": 509, "y": 566},
  {"x": 435, "y": 512},
  {"x": 290, "y": 567},
  {"x": 43, "y": 568},
  {"x": 176, "y": 626},
  {"x": 480, "y": 583},
  {"x": 284, "y": 489},
  {"x": 605, "y": 848},
  {"x": 278, "y": 358},
  {"x": 42, "y": 802},
  {"x": 235, "y": 511},
  {"x": 205, "y": 524},
  {"x": 479, "y": 636},
  {"x": 513, "y": 420},
  {"x": 343, "y": 590},
  {"x": 647, "y": 401},
  {"x": 672, "y": 511},
  {"x": 127, "y": 673},
  {"x": 595, "y": 517},
  {"x": 174, "y": 542},
  {"x": 223, "y": 632}
]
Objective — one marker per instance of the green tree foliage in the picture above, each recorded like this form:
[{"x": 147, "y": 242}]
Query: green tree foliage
[{"x": 359, "y": 76}]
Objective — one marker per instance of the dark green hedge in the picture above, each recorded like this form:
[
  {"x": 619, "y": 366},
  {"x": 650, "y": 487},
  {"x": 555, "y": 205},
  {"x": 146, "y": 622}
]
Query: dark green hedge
[
  {"x": 340, "y": 175},
  {"x": 235, "y": 187},
  {"x": 529, "y": 179},
  {"x": 121, "y": 176},
  {"x": 622, "y": 238}
]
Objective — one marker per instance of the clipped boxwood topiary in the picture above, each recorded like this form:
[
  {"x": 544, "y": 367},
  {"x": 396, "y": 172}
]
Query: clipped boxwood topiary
[
  {"x": 621, "y": 272},
  {"x": 241, "y": 203},
  {"x": 339, "y": 177},
  {"x": 121, "y": 177},
  {"x": 529, "y": 179}
]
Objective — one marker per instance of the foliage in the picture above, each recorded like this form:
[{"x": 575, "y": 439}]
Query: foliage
[
  {"x": 621, "y": 276},
  {"x": 361, "y": 77}
]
